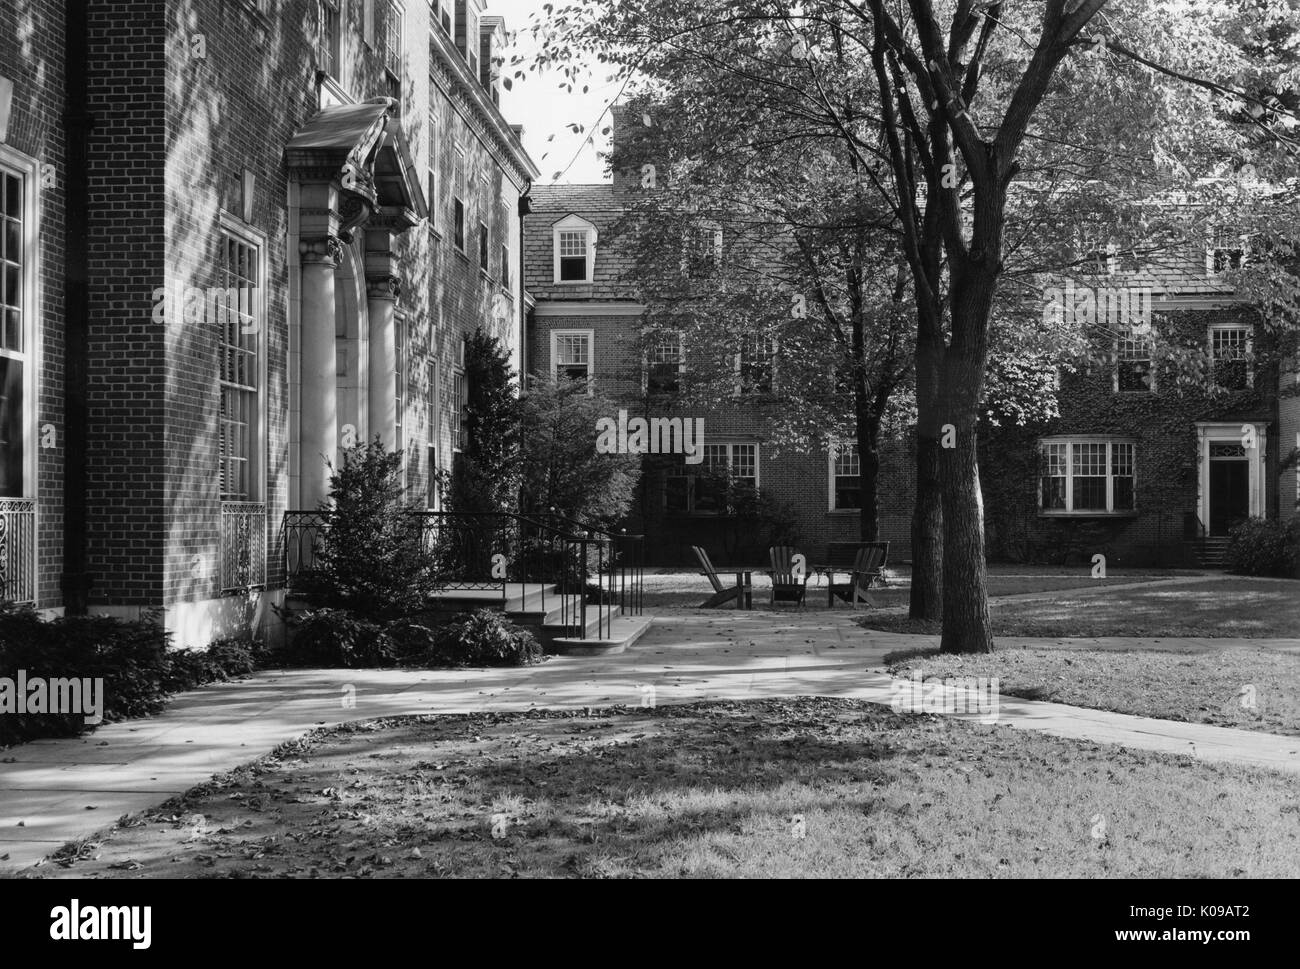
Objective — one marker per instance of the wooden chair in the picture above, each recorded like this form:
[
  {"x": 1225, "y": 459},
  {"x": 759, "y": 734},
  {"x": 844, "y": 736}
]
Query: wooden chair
[
  {"x": 721, "y": 593},
  {"x": 786, "y": 585},
  {"x": 867, "y": 567}
]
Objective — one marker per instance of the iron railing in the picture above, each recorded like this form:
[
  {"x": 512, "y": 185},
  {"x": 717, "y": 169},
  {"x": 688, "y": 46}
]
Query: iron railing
[
  {"x": 18, "y": 550},
  {"x": 243, "y": 545},
  {"x": 548, "y": 563}
]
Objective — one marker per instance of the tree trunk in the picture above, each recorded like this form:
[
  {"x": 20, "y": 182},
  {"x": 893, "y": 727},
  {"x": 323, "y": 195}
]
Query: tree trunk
[
  {"x": 966, "y": 627},
  {"x": 926, "y": 599}
]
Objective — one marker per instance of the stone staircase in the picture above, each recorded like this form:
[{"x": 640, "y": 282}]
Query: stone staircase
[
  {"x": 542, "y": 608},
  {"x": 1210, "y": 551}
]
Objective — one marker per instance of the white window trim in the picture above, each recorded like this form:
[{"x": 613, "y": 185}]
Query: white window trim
[
  {"x": 590, "y": 336},
  {"x": 29, "y": 170},
  {"x": 574, "y": 223},
  {"x": 1232, "y": 432},
  {"x": 1069, "y": 511},
  {"x": 1114, "y": 370},
  {"x": 1250, "y": 347},
  {"x": 693, "y": 471},
  {"x": 831, "y": 454},
  {"x": 260, "y": 458},
  {"x": 1211, "y": 249},
  {"x": 681, "y": 362},
  {"x": 738, "y": 359}
]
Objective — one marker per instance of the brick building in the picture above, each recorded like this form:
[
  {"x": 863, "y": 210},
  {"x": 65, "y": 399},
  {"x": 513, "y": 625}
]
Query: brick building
[
  {"x": 238, "y": 236},
  {"x": 1138, "y": 468}
]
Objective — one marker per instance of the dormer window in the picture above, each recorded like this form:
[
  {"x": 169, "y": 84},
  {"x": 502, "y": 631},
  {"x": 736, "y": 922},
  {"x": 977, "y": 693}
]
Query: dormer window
[
  {"x": 575, "y": 250},
  {"x": 702, "y": 255},
  {"x": 1225, "y": 253}
]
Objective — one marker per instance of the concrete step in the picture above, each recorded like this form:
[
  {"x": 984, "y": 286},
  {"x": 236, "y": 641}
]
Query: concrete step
[{"x": 623, "y": 632}]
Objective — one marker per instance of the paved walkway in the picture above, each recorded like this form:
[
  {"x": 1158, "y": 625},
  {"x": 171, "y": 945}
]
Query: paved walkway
[{"x": 54, "y": 791}]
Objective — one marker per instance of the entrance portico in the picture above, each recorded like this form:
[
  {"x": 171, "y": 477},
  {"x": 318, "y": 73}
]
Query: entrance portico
[
  {"x": 356, "y": 191},
  {"x": 1231, "y": 481}
]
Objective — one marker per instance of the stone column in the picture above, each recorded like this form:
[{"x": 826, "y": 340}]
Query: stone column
[
  {"x": 320, "y": 435},
  {"x": 383, "y": 287}
]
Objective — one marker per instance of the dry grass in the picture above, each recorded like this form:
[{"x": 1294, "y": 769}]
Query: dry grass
[
  {"x": 798, "y": 788},
  {"x": 1219, "y": 608},
  {"x": 1255, "y": 689}
]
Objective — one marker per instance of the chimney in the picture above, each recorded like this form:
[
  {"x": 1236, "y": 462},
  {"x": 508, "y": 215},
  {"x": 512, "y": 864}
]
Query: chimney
[
  {"x": 626, "y": 155},
  {"x": 492, "y": 37}
]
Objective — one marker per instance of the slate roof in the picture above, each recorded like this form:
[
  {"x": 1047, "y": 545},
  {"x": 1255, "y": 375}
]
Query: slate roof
[{"x": 601, "y": 205}]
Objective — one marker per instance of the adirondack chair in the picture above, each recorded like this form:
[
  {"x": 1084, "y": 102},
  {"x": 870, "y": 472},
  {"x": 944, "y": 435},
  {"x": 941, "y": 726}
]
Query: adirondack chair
[
  {"x": 721, "y": 594},
  {"x": 786, "y": 586},
  {"x": 867, "y": 566}
]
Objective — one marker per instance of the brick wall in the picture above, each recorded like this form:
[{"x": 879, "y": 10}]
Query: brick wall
[{"x": 32, "y": 57}]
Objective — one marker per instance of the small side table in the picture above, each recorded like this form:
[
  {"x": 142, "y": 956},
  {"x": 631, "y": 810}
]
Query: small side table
[{"x": 745, "y": 581}]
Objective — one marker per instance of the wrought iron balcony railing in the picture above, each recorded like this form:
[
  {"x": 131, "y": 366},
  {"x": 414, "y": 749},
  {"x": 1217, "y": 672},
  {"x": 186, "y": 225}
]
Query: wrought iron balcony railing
[
  {"x": 243, "y": 545},
  {"x": 18, "y": 550}
]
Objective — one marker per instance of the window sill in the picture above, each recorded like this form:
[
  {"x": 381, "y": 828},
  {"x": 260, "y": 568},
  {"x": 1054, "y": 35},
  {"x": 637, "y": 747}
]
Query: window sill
[
  {"x": 460, "y": 252},
  {"x": 844, "y": 511},
  {"x": 1133, "y": 513},
  {"x": 573, "y": 282}
]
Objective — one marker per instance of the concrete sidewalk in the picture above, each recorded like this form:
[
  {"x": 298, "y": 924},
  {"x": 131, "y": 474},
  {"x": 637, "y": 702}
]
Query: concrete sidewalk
[{"x": 55, "y": 791}]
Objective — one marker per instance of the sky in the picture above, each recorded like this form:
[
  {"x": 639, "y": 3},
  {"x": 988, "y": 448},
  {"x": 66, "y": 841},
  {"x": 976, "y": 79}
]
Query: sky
[{"x": 544, "y": 109}]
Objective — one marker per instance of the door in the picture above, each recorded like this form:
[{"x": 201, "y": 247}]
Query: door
[{"x": 1229, "y": 495}]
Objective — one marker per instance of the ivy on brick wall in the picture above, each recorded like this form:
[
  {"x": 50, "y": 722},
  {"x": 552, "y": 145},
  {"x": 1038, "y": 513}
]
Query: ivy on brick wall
[{"x": 1162, "y": 423}]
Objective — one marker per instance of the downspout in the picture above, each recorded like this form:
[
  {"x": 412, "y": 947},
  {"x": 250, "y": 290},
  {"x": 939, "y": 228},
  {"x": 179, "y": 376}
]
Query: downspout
[
  {"x": 525, "y": 209},
  {"x": 75, "y": 581}
]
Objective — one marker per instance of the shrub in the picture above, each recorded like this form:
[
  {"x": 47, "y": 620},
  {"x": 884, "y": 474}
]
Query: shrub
[
  {"x": 485, "y": 475},
  {"x": 334, "y": 638},
  {"x": 374, "y": 561},
  {"x": 1264, "y": 547},
  {"x": 130, "y": 656},
  {"x": 487, "y": 638}
]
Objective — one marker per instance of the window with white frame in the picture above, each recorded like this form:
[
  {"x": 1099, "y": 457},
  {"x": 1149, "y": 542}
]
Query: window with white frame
[
  {"x": 432, "y": 496},
  {"x": 1087, "y": 476},
  {"x": 706, "y": 488},
  {"x": 15, "y": 352},
  {"x": 571, "y": 351},
  {"x": 845, "y": 477},
  {"x": 1225, "y": 252},
  {"x": 702, "y": 253},
  {"x": 458, "y": 199},
  {"x": 330, "y": 45},
  {"x": 1231, "y": 356},
  {"x": 440, "y": 13},
  {"x": 664, "y": 364},
  {"x": 459, "y": 419},
  {"x": 574, "y": 247},
  {"x": 756, "y": 364},
  {"x": 393, "y": 40},
  {"x": 1134, "y": 369},
  {"x": 434, "y": 159},
  {"x": 239, "y": 340}
]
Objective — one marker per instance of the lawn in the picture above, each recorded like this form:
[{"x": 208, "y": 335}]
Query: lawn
[
  {"x": 797, "y": 788},
  {"x": 1255, "y": 689},
  {"x": 1218, "y": 608},
  {"x": 684, "y": 589}
]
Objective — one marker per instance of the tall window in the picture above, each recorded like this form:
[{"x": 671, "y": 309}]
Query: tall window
[
  {"x": 331, "y": 37},
  {"x": 431, "y": 423},
  {"x": 240, "y": 328},
  {"x": 664, "y": 364},
  {"x": 1230, "y": 353},
  {"x": 393, "y": 41},
  {"x": 484, "y": 246},
  {"x": 846, "y": 477},
  {"x": 572, "y": 354},
  {"x": 13, "y": 349},
  {"x": 755, "y": 364},
  {"x": 459, "y": 400},
  {"x": 703, "y": 489},
  {"x": 1134, "y": 372},
  {"x": 434, "y": 157},
  {"x": 1087, "y": 477},
  {"x": 458, "y": 200}
]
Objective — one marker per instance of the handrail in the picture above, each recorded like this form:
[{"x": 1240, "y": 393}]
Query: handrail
[{"x": 559, "y": 553}]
